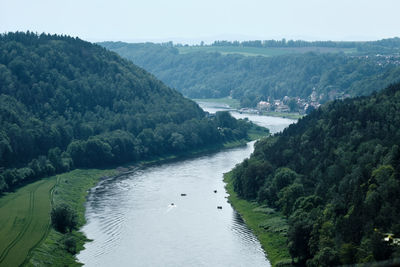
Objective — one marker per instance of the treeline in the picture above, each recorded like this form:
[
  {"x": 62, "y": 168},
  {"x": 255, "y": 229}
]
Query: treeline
[
  {"x": 254, "y": 79},
  {"x": 391, "y": 45},
  {"x": 335, "y": 175},
  {"x": 283, "y": 43},
  {"x": 67, "y": 103}
]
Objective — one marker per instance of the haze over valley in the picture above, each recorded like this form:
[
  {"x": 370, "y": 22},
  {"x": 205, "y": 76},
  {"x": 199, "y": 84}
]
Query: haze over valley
[{"x": 187, "y": 133}]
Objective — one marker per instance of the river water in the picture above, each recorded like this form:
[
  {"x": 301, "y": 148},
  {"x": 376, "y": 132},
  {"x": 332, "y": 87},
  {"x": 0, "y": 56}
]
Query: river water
[{"x": 141, "y": 219}]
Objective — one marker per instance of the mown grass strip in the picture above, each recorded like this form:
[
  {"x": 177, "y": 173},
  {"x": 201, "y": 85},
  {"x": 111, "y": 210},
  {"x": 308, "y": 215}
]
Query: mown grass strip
[
  {"x": 269, "y": 226},
  {"x": 71, "y": 189},
  {"x": 24, "y": 220}
]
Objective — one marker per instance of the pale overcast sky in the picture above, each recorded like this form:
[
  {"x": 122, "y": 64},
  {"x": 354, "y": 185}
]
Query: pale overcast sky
[{"x": 190, "y": 21}]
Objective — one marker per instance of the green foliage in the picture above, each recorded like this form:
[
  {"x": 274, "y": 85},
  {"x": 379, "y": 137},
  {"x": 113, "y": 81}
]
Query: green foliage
[
  {"x": 63, "y": 218},
  {"x": 70, "y": 244},
  {"x": 210, "y": 72},
  {"x": 67, "y": 103},
  {"x": 336, "y": 176},
  {"x": 269, "y": 226},
  {"x": 275, "y": 225}
]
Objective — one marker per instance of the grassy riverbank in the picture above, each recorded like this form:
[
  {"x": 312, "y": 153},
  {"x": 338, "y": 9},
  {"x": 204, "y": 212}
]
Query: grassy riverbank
[
  {"x": 269, "y": 226},
  {"x": 71, "y": 189},
  {"x": 26, "y": 235},
  {"x": 293, "y": 116}
]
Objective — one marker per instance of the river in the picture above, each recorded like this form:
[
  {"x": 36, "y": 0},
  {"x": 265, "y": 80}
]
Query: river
[{"x": 142, "y": 219}]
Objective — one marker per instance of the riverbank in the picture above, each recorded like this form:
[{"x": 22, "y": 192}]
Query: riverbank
[
  {"x": 254, "y": 133},
  {"x": 293, "y": 116},
  {"x": 234, "y": 105},
  {"x": 269, "y": 226},
  {"x": 72, "y": 189}
]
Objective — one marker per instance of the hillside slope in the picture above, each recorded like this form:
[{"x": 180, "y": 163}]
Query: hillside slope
[
  {"x": 67, "y": 103},
  {"x": 336, "y": 176},
  {"x": 202, "y": 74}
]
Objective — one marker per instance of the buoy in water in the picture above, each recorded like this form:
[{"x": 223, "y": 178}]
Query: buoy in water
[{"x": 215, "y": 191}]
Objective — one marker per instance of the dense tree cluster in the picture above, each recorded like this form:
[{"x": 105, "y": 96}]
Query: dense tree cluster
[
  {"x": 64, "y": 219},
  {"x": 336, "y": 176},
  {"x": 67, "y": 103},
  {"x": 253, "y": 79}
]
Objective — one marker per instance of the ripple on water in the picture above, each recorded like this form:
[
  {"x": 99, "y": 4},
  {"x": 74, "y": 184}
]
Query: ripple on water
[
  {"x": 132, "y": 224},
  {"x": 240, "y": 228}
]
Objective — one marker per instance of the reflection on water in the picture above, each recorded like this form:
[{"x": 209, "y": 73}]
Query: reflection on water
[
  {"x": 274, "y": 124},
  {"x": 141, "y": 219}
]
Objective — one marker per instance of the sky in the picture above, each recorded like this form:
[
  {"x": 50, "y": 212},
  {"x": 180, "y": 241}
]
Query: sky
[{"x": 189, "y": 21}]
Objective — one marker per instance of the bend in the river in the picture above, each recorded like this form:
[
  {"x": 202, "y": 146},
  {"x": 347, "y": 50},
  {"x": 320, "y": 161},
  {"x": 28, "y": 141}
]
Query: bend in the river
[{"x": 167, "y": 215}]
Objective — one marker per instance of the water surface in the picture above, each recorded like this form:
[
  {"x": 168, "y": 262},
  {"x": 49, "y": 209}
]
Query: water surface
[{"x": 141, "y": 219}]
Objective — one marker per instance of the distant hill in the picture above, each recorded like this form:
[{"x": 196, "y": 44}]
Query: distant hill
[
  {"x": 336, "y": 176},
  {"x": 67, "y": 103},
  {"x": 225, "y": 69}
]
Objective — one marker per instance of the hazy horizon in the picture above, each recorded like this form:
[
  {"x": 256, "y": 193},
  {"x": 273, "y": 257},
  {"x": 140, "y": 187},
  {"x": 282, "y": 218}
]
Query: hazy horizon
[{"x": 190, "y": 22}]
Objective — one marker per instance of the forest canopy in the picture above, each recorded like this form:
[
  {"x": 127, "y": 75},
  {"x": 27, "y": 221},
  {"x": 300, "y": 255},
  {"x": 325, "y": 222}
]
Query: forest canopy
[
  {"x": 67, "y": 103},
  {"x": 250, "y": 79},
  {"x": 335, "y": 175}
]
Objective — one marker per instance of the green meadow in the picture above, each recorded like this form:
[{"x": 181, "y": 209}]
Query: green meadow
[
  {"x": 24, "y": 220},
  {"x": 261, "y": 51},
  {"x": 26, "y": 235}
]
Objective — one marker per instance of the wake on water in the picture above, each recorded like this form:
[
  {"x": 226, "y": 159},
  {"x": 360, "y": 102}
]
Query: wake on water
[{"x": 170, "y": 207}]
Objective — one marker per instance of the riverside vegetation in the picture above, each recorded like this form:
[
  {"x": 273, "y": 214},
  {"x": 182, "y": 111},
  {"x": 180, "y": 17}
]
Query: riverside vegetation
[
  {"x": 67, "y": 104},
  {"x": 335, "y": 176},
  {"x": 329, "y": 184}
]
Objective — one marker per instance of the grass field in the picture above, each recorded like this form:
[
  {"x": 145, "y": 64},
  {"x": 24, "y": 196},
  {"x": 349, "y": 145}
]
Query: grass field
[
  {"x": 71, "y": 189},
  {"x": 24, "y": 220},
  {"x": 232, "y": 103},
  {"x": 269, "y": 226},
  {"x": 26, "y": 237},
  {"x": 260, "y": 51}
]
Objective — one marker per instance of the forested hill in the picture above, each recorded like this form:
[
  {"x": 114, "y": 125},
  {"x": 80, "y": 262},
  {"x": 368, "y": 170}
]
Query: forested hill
[
  {"x": 250, "y": 79},
  {"x": 67, "y": 103},
  {"x": 336, "y": 175}
]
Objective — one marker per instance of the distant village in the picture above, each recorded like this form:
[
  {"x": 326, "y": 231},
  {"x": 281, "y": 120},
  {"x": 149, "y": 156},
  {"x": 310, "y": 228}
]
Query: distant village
[
  {"x": 293, "y": 104},
  {"x": 383, "y": 60},
  {"x": 304, "y": 106}
]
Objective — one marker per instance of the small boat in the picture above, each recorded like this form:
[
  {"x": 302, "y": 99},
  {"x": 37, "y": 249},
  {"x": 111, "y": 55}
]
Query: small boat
[
  {"x": 183, "y": 195},
  {"x": 172, "y": 204},
  {"x": 219, "y": 207}
]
